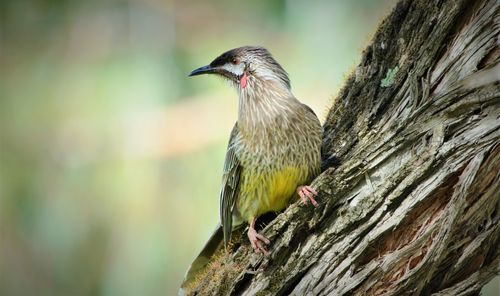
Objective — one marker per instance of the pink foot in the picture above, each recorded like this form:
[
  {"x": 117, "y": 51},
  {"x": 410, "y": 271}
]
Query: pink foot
[
  {"x": 307, "y": 192},
  {"x": 257, "y": 240}
]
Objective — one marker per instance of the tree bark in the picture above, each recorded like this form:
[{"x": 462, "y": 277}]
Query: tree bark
[{"x": 413, "y": 209}]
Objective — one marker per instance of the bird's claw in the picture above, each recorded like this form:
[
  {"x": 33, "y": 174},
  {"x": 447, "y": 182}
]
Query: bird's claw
[
  {"x": 307, "y": 193},
  {"x": 258, "y": 240}
]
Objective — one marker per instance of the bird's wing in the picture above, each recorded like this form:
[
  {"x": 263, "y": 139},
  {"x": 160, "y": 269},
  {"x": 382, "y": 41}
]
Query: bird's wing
[{"x": 230, "y": 185}]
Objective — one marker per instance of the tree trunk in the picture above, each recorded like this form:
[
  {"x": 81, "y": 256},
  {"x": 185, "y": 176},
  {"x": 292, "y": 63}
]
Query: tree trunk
[{"x": 413, "y": 209}]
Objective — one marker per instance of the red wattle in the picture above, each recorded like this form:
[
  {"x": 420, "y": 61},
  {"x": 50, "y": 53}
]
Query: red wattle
[{"x": 243, "y": 80}]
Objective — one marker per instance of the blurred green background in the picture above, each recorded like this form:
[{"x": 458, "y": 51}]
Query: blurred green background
[{"x": 110, "y": 157}]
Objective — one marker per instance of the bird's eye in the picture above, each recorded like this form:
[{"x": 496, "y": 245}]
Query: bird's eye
[{"x": 235, "y": 61}]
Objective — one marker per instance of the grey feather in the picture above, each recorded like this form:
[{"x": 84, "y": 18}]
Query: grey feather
[
  {"x": 203, "y": 258},
  {"x": 230, "y": 186}
]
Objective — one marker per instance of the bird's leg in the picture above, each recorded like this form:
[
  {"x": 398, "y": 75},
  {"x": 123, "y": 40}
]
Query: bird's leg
[
  {"x": 307, "y": 192},
  {"x": 257, "y": 239}
]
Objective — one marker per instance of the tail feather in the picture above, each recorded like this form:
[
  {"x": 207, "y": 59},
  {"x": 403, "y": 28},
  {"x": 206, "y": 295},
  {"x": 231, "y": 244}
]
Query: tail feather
[{"x": 213, "y": 244}]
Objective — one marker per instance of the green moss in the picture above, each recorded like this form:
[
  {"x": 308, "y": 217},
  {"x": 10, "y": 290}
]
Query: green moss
[{"x": 389, "y": 77}]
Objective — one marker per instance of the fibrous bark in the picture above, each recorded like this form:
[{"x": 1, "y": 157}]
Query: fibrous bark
[{"x": 413, "y": 209}]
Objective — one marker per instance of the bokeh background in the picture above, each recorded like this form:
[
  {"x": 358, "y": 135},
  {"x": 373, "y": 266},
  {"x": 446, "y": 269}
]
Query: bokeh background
[{"x": 110, "y": 157}]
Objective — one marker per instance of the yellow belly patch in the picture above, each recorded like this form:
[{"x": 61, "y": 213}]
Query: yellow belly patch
[{"x": 270, "y": 192}]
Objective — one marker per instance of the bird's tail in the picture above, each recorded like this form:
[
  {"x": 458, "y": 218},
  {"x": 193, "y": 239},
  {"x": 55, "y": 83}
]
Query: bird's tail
[{"x": 213, "y": 244}]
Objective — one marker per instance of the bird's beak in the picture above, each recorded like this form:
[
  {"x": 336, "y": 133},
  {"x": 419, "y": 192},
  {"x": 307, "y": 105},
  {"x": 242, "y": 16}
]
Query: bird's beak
[{"x": 203, "y": 70}]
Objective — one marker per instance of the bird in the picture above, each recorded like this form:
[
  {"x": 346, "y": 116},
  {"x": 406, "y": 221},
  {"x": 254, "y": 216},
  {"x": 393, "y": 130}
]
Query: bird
[{"x": 274, "y": 148}]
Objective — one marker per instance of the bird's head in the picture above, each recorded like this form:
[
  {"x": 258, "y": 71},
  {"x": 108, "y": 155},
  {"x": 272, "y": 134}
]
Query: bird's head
[{"x": 247, "y": 67}]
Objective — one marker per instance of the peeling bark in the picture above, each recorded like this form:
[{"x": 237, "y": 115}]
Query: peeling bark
[{"x": 414, "y": 207}]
